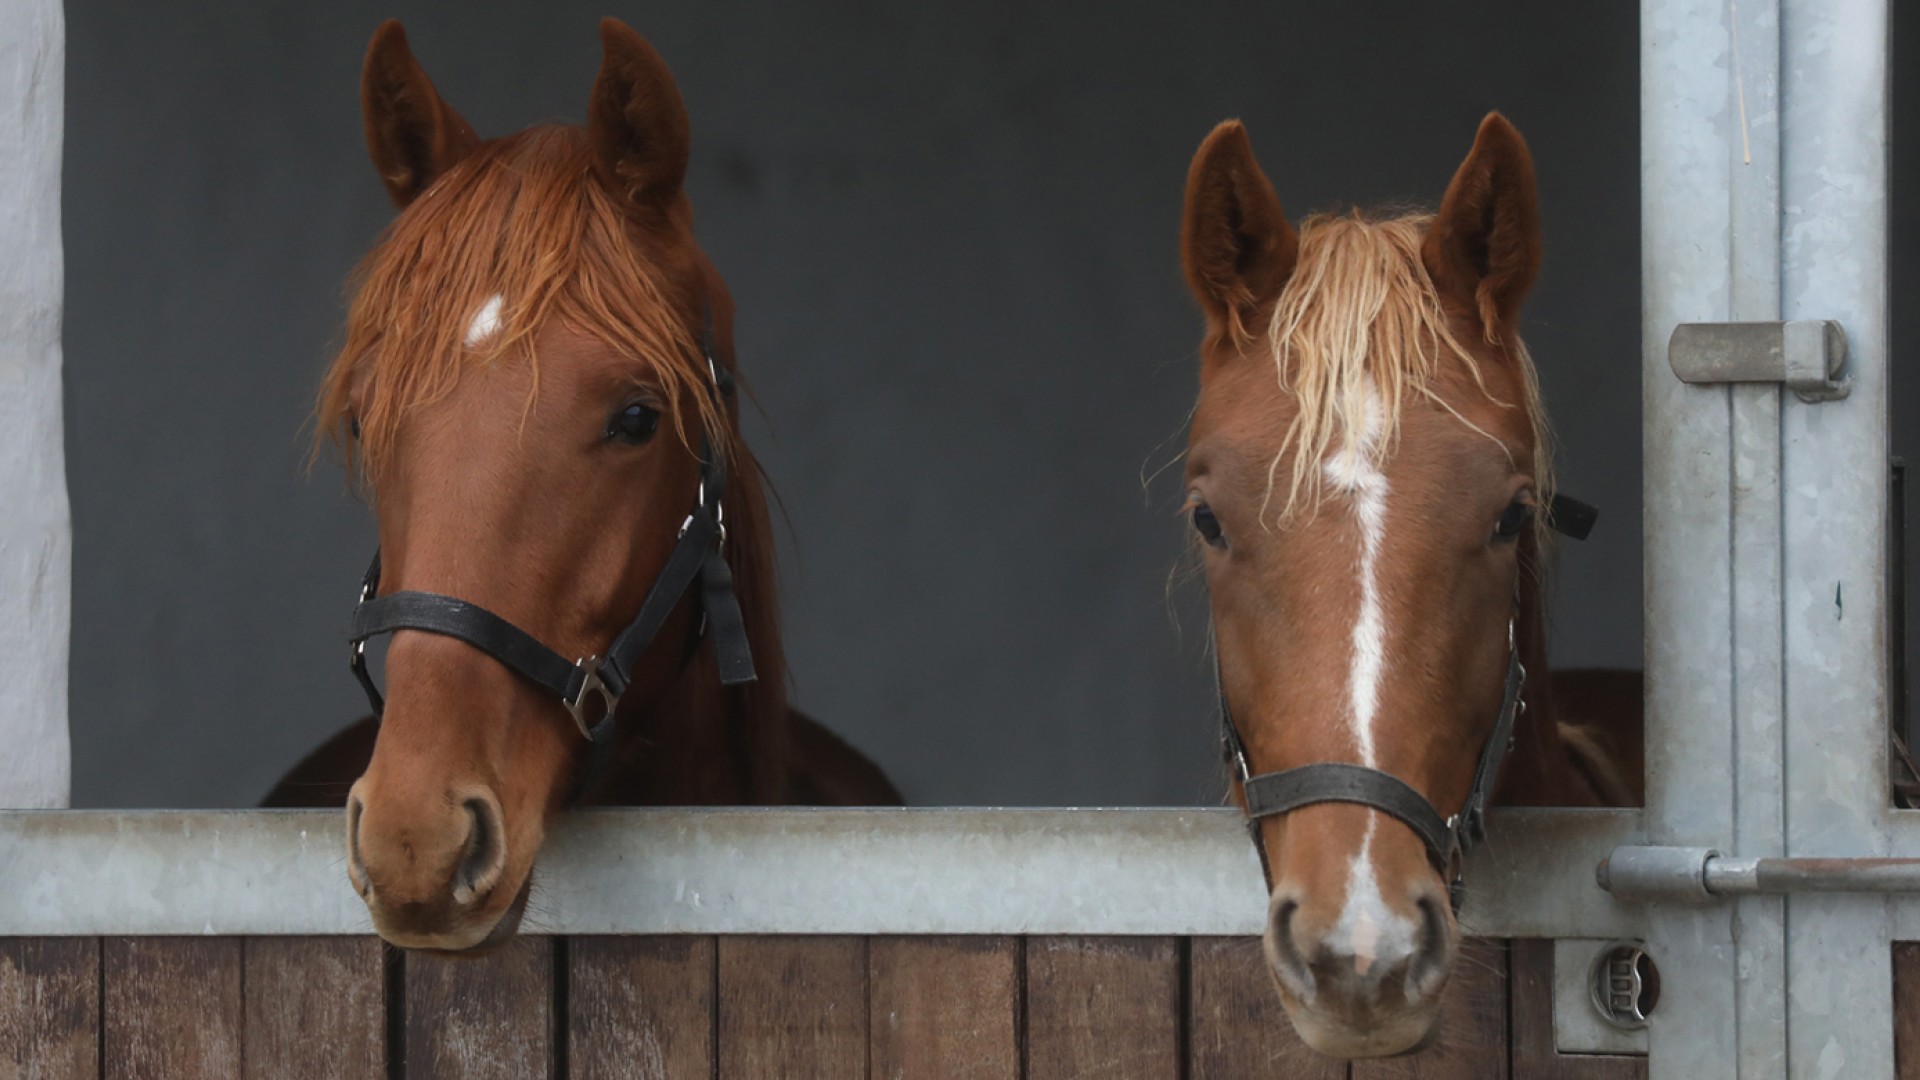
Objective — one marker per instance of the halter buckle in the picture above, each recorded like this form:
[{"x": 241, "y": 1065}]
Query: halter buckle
[
  {"x": 591, "y": 686},
  {"x": 719, "y": 521}
]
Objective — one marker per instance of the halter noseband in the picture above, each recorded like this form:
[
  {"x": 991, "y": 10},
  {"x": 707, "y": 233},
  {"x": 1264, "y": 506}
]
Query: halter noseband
[
  {"x": 698, "y": 554},
  {"x": 1446, "y": 839}
]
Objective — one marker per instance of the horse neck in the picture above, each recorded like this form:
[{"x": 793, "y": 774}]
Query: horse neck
[{"x": 1543, "y": 769}]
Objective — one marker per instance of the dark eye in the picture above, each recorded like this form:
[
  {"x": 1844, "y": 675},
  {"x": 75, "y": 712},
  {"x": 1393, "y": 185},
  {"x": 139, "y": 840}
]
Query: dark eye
[
  {"x": 1208, "y": 526},
  {"x": 635, "y": 423},
  {"x": 1517, "y": 516},
  {"x": 353, "y": 426}
]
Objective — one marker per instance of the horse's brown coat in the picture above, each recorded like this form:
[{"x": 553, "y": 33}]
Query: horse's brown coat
[
  {"x": 486, "y": 448},
  {"x": 1364, "y": 389}
]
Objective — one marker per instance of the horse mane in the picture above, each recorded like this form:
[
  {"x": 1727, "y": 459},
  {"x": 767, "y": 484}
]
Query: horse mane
[
  {"x": 1358, "y": 331},
  {"x": 524, "y": 219}
]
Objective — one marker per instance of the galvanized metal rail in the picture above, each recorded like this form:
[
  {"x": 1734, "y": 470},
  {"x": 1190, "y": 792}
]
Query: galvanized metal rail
[
  {"x": 775, "y": 871},
  {"x": 1641, "y": 874}
]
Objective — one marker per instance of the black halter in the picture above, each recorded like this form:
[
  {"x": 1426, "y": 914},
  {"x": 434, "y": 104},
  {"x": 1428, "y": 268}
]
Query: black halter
[
  {"x": 1447, "y": 839},
  {"x": 590, "y": 687}
]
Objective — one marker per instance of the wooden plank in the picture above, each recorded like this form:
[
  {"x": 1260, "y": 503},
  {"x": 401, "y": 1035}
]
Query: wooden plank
[
  {"x": 1530, "y": 963},
  {"x": 316, "y": 1007},
  {"x": 1906, "y": 1009},
  {"x": 171, "y": 1007},
  {"x": 1103, "y": 1006},
  {"x": 1471, "y": 1043},
  {"x": 640, "y": 1007},
  {"x": 944, "y": 1007},
  {"x": 49, "y": 1008},
  {"x": 793, "y": 1006},
  {"x": 1236, "y": 1027},
  {"x": 481, "y": 1018}
]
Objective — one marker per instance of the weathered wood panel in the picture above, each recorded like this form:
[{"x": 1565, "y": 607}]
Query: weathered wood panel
[
  {"x": 481, "y": 1018},
  {"x": 49, "y": 1008},
  {"x": 1472, "y": 1041},
  {"x": 315, "y": 1007},
  {"x": 1236, "y": 1028},
  {"x": 640, "y": 1008},
  {"x": 1103, "y": 1006},
  {"x": 699, "y": 1008},
  {"x": 1534, "y": 1058},
  {"x": 1906, "y": 1009},
  {"x": 172, "y": 1007},
  {"x": 943, "y": 1008},
  {"x": 792, "y": 1007}
]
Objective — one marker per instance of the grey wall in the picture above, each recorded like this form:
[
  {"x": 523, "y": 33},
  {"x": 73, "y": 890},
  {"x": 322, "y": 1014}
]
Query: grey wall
[{"x": 951, "y": 229}]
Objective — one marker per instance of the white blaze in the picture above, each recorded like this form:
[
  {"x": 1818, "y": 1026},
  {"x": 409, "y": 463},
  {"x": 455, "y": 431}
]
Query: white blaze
[
  {"x": 486, "y": 322},
  {"x": 1355, "y": 470},
  {"x": 1371, "y": 929}
]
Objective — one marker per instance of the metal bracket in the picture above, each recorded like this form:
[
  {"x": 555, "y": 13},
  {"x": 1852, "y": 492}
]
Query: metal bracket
[
  {"x": 1806, "y": 356},
  {"x": 1703, "y": 875}
]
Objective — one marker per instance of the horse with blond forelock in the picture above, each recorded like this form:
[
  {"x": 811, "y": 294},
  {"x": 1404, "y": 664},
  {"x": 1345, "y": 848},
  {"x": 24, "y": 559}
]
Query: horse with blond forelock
[
  {"x": 1369, "y": 475},
  {"x": 538, "y": 358}
]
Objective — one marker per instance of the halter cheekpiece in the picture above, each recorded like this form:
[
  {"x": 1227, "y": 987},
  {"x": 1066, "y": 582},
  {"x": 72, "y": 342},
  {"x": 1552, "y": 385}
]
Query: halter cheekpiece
[
  {"x": 590, "y": 687},
  {"x": 1446, "y": 838}
]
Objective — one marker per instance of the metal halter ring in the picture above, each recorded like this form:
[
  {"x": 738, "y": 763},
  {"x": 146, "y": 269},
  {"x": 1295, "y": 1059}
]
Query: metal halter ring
[
  {"x": 590, "y": 684},
  {"x": 719, "y": 520}
]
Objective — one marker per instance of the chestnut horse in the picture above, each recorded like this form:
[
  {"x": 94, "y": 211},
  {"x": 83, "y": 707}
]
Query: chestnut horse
[
  {"x": 534, "y": 389},
  {"x": 1369, "y": 476}
]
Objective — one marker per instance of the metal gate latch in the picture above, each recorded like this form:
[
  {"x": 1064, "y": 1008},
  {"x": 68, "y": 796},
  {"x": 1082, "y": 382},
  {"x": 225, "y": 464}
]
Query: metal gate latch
[
  {"x": 1804, "y": 355},
  {"x": 1703, "y": 875}
]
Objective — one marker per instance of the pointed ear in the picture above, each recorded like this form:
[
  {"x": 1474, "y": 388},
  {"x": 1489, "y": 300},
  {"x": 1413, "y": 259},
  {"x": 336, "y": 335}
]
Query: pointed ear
[
  {"x": 1483, "y": 248},
  {"x": 413, "y": 136},
  {"x": 636, "y": 121},
  {"x": 1235, "y": 242}
]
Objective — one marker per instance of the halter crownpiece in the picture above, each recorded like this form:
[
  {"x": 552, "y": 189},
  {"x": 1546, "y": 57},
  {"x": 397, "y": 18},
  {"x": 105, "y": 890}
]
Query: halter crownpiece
[
  {"x": 1446, "y": 839},
  {"x": 589, "y": 688}
]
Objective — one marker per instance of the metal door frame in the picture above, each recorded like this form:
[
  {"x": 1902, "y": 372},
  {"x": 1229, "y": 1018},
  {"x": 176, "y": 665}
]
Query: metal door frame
[{"x": 1764, "y": 195}]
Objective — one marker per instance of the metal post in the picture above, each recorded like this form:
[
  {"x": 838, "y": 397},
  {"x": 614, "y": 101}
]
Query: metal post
[
  {"x": 1697, "y": 712},
  {"x": 35, "y": 536},
  {"x": 1834, "y": 243}
]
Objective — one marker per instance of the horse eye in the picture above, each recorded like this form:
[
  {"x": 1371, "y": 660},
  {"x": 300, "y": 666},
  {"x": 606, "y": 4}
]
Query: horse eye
[
  {"x": 635, "y": 423},
  {"x": 1517, "y": 516},
  {"x": 1208, "y": 526},
  {"x": 353, "y": 426}
]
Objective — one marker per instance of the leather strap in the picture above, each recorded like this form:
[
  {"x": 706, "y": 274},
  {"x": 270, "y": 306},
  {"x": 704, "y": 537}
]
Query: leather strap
[
  {"x": 472, "y": 624},
  {"x": 1571, "y": 517},
  {"x": 1446, "y": 839},
  {"x": 1470, "y": 825},
  {"x": 698, "y": 540},
  {"x": 1279, "y": 792}
]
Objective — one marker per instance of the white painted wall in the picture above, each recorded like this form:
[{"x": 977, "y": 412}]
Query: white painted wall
[{"x": 36, "y": 564}]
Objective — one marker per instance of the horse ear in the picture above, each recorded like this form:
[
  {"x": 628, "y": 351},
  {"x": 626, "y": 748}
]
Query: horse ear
[
  {"x": 637, "y": 122},
  {"x": 1483, "y": 248},
  {"x": 1235, "y": 242},
  {"x": 413, "y": 136}
]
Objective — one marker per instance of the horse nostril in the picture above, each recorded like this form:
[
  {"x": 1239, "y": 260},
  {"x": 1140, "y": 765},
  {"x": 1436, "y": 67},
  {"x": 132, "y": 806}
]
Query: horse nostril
[
  {"x": 486, "y": 853},
  {"x": 356, "y": 866},
  {"x": 1283, "y": 952},
  {"x": 1427, "y": 969}
]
